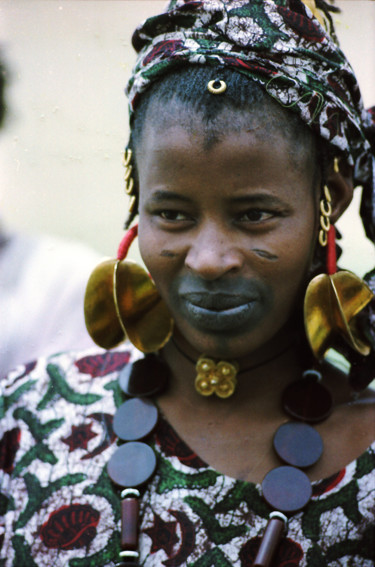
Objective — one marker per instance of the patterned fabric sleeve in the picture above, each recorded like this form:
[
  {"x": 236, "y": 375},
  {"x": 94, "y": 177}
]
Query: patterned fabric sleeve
[{"x": 58, "y": 506}]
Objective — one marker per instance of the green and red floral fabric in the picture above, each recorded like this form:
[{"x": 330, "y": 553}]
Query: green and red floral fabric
[
  {"x": 58, "y": 507},
  {"x": 282, "y": 46}
]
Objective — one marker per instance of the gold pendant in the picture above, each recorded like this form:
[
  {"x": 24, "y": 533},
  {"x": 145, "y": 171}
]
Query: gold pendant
[{"x": 212, "y": 378}]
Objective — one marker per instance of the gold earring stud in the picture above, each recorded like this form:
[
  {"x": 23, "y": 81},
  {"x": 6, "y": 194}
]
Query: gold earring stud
[{"x": 217, "y": 86}]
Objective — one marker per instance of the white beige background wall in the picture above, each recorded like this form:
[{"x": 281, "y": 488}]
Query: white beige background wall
[{"x": 61, "y": 149}]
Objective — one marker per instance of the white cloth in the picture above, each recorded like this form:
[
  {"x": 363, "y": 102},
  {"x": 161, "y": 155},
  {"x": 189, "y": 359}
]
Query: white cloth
[{"x": 42, "y": 284}]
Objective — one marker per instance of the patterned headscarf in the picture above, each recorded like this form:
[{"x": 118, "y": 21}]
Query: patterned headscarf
[{"x": 283, "y": 46}]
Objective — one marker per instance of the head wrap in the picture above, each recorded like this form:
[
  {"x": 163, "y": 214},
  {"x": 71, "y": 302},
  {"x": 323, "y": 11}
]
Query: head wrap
[{"x": 284, "y": 47}]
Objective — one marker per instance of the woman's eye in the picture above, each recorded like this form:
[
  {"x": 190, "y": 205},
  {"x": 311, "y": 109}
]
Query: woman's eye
[
  {"x": 256, "y": 215},
  {"x": 171, "y": 215}
]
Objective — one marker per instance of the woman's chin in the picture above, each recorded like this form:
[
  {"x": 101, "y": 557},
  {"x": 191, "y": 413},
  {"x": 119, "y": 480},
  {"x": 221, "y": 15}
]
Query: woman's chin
[
  {"x": 244, "y": 348},
  {"x": 227, "y": 348}
]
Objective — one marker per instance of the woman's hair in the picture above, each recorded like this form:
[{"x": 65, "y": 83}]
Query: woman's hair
[{"x": 184, "y": 93}]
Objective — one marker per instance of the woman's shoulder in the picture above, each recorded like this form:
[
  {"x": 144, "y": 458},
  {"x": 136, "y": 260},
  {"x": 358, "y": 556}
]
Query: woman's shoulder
[
  {"x": 73, "y": 377},
  {"x": 56, "y": 438}
]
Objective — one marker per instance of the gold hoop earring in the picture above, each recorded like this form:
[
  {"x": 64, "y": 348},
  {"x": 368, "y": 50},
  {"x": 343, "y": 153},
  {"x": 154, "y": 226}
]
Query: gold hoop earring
[
  {"x": 129, "y": 181},
  {"x": 326, "y": 211}
]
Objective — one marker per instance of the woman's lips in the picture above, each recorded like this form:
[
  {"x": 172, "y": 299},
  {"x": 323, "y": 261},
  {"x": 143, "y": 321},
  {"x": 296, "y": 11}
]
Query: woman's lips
[{"x": 220, "y": 312}]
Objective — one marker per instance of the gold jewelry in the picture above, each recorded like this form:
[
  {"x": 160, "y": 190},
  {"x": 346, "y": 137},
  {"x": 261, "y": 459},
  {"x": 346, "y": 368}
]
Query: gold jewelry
[
  {"x": 333, "y": 300},
  {"x": 129, "y": 184},
  {"x": 132, "y": 202},
  {"x": 127, "y": 174},
  {"x": 336, "y": 167},
  {"x": 127, "y": 157},
  {"x": 129, "y": 181},
  {"x": 121, "y": 301},
  {"x": 332, "y": 303},
  {"x": 217, "y": 86},
  {"x": 212, "y": 378},
  {"x": 326, "y": 211}
]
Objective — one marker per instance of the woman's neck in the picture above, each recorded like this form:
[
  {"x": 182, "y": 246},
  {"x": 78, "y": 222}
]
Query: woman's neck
[{"x": 261, "y": 375}]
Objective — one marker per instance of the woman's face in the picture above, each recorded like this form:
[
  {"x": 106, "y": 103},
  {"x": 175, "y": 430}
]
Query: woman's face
[{"x": 227, "y": 229}]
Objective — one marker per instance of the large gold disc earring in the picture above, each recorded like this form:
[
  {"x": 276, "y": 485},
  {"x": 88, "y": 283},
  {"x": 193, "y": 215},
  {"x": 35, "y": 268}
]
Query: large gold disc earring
[
  {"x": 121, "y": 301},
  {"x": 334, "y": 299}
]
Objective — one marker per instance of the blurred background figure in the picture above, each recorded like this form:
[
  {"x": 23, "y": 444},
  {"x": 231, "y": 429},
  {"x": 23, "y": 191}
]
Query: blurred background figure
[{"x": 42, "y": 282}]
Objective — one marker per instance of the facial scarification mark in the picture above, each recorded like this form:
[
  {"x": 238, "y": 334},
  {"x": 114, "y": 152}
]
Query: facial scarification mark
[
  {"x": 265, "y": 254},
  {"x": 168, "y": 254}
]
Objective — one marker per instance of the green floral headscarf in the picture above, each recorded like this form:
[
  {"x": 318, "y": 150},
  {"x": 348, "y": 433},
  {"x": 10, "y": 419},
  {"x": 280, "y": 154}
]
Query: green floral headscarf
[{"x": 284, "y": 47}]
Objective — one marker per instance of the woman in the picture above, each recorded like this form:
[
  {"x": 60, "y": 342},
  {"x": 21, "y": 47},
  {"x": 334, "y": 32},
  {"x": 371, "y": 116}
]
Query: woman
[{"x": 247, "y": 137}]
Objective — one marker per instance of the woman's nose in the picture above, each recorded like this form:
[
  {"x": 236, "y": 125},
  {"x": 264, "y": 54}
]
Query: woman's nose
[{"x": 212, "y": 254}]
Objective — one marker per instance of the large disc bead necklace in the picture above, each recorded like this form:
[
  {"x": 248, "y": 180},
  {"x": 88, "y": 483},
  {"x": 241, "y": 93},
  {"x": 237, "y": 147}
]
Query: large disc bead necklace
[
  {"x": 134, "y": 462},
  {"x": 287, "y": 489}
]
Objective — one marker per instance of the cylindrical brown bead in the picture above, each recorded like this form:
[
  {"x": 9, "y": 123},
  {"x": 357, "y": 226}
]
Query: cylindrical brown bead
[
  {"x": 272, "y": 536},
  {"x": 129, "y": 524}
]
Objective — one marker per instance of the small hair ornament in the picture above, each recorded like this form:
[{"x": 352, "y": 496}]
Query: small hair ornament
[
  {"x": 334, "y": 299},
  {"x": 216, "y": 86},
  {"x": 121, "y": 301}
]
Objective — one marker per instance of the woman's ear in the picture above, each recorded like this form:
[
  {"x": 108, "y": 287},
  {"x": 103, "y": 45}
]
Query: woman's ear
[{"x": 340, "y": 185}]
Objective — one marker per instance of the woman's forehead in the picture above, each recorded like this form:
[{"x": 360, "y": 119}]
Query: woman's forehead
[
  {"x": 235, "y": 129},
  {"x": 261, "y": 118},
  {"x": 180, "y": 159}
]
